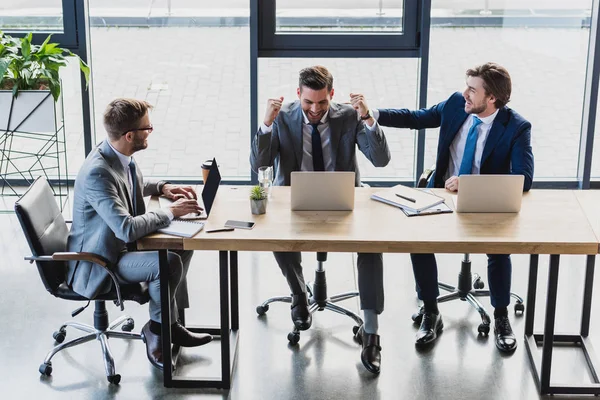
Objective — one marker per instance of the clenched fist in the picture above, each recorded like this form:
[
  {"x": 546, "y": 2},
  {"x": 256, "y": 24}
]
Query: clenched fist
[
  {"x": 273, "y": 107},
  {"x": 359, "y": 103}
]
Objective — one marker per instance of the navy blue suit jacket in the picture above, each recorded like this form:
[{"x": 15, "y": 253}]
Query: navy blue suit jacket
[{"x": 507, "y": 149}]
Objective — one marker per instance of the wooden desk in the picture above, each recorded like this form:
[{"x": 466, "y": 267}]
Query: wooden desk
[{"x": 550, "y": 222}]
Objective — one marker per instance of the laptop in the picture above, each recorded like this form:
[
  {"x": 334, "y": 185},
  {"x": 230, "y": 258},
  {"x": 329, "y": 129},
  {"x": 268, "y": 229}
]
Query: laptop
[
  {"x": 322, "y": 191},
  {"x": 209, "y": 193},
  {"x": 489, "y": 193}
]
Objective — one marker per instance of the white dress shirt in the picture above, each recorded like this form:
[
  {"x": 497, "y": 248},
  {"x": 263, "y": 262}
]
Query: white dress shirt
[
  {"x": 457, "y": 148},
  {"x": 325, "y": 132},
  {"x": 125, "y": 160}
]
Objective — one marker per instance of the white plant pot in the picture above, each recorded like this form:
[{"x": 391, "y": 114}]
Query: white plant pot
[{"x": 31, "y": 111}]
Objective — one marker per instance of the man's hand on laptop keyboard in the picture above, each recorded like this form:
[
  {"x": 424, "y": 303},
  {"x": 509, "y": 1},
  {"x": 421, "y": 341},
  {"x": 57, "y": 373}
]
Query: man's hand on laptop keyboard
[
  {"x": 182, "y": 207},
  {"x": 175, "y": 192}
]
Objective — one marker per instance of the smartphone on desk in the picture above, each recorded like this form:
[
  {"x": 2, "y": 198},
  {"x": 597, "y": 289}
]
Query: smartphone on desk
[{"x": 239, "y": 224}]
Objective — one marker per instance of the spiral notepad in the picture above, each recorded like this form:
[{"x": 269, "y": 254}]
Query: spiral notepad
[{"x": 184, "y": 228}]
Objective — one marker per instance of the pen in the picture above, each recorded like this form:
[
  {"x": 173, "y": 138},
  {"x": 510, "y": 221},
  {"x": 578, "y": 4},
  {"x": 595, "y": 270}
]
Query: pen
[{"x": 406, "y": 198}]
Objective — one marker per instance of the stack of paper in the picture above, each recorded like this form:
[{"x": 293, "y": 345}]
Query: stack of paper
[{"x": 412, "y": 201}]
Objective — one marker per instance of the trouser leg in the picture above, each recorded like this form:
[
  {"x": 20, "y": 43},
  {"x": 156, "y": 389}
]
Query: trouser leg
[
  {"x": 291, "y": 267},
  {"x": 426, "y": 276},
  {"x": 142, "y": 266},
  {"x": 370, "y": 281},
  {"x": 499, "y": 279}
]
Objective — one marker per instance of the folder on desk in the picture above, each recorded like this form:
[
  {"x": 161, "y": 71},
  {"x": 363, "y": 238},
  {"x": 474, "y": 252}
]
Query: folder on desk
[{"x": 406, "y": 198}]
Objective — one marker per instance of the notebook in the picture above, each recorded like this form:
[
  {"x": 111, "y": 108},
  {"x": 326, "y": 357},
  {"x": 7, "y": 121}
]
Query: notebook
[
  {"x": 183, "y": 228},
  {"x": 442, "y": 208},
  {"x": 409, "y": 199}
]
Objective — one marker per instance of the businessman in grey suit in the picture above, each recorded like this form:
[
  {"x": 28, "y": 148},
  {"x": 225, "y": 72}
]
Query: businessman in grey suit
[
  {"x": 109, "y": 215},
  {"x": 315, "y": 134}
]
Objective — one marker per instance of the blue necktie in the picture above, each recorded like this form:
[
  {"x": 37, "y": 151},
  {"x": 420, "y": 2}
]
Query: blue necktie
[
  {"x": 317, "y": 149},
  {"x": 466, "y": 164},
  {"x": 133, "y": 186}
]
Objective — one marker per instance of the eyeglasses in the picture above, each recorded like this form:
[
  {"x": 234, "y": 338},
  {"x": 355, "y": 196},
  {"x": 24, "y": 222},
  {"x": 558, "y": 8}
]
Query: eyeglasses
[{"x": 149, "y": 129}]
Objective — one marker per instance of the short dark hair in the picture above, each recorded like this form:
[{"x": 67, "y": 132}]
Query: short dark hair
[
  {"x": 124, "y": 114},
  {"x": 496, "y": 81},
  {"x": 316, "y": 78}
]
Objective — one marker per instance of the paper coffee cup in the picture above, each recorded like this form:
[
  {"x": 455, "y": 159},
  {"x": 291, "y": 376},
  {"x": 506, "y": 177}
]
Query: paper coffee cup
[{"x": 205, "y": 169}]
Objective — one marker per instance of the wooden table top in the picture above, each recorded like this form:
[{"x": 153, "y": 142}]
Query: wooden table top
[
  {"x": 550, "y": 222},
  {"x": 590, "y": 203}
]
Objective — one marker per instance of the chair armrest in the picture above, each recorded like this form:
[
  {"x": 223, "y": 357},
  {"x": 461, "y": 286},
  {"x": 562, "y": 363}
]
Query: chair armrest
[
  {"x": 91, "y": 257},
  {"x": 425, "y": 176}
]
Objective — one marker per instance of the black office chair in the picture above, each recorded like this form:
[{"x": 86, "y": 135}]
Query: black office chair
[
  {"x": 469, "y": 285},
  {"x": 318, "y": 300},
  {"x": 46, "y": 232}
]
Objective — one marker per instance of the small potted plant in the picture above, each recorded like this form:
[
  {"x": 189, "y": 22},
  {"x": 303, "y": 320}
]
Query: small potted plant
[{"x": 258, "y": 200}]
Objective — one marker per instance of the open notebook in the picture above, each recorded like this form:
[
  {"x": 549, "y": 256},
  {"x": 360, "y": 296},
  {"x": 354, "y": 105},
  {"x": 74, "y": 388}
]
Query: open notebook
[{"x": 183, "y": 228}]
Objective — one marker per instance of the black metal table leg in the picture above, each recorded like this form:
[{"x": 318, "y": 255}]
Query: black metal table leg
[
  {"x": 531, "y": 292},
  {"x": 546, "y": 366},
  {"x": 587, "y": 295},
  {"x": 165, "y": 308},
  {"x": 224, "y": 295},
  {"x": 235, "y": 307}
]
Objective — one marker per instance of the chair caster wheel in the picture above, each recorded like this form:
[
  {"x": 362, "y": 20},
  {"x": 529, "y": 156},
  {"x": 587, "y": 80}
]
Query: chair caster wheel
[
  {"x": 114, "y": 379},
  {"x": 519, "y": 307},
  {"x": 478, "y": 284},
  {"x": 128, "y": 325},
  {"x": 293, "y": 337},
  {"x": 418, "y": 316},
  {"x": 484, "y": 329},
  {"x": 59, "y": 335},
  {"x": 46, "y": 368},
  {"x": 355, "y": 329},
  {"x": 261, "y": 310}
]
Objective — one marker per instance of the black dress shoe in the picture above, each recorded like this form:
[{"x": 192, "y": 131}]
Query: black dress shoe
[
  {"x": 431, "y": 326},
  {"x": 300, "y": 314},
  {"x": 371, "y": 350},
  {"x": 153, "y": 346},
  {"x": 185, "y": 338},
  {"x": 505, "y": 338}
]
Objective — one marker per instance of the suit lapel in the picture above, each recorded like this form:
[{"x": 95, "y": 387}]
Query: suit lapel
[
  {"x": 496, "y": 132},
  {"x": 296, "y": 132},
  {"x": 335, "y": 134},
  {"x": 112, "y": 159}
]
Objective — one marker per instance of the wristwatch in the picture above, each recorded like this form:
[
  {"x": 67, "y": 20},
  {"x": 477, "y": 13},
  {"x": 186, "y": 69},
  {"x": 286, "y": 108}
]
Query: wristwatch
[{"x": 366, "y": 117}]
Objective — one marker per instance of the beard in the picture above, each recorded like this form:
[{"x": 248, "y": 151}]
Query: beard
[
  {"x": 139, "y": 143},
  {"x": 477, "y": 108}
]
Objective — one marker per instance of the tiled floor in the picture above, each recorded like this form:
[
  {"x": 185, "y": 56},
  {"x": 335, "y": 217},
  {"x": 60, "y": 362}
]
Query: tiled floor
[{"x": 326, "y": 363}]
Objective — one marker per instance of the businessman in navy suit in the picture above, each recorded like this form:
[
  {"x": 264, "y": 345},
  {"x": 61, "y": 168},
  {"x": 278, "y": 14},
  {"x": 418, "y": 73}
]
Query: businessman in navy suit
[{"x": 478, "y": 135}]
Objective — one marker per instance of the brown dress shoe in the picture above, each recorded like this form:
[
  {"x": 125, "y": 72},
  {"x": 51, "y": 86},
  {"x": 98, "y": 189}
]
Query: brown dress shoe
[
  {"x": 153, "y": 346},
  {"x": 185, "y": 338}
]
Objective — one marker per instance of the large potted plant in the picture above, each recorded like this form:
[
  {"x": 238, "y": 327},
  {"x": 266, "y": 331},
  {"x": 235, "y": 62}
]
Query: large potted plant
[
  {"x": 31, "y": 117},
  {"x": 30, "y": 83}
]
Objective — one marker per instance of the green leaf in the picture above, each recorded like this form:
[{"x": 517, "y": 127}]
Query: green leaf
[
  {"x": 26, "y": 46},
  {"x": 4, "y": 63},
  {"x": 86, "y": 71},
  {"x": 55, "y": 89}
]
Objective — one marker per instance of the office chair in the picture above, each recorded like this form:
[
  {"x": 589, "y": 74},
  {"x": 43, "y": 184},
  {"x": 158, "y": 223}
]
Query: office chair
[
  {"x": 317, "y": 301},
  {"x": 469, "y": 285},
  {"x": 46, "y": 233}
]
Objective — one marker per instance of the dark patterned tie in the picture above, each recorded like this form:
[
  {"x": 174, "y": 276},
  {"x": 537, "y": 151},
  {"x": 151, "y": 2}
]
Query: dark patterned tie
[
  {"x": 133, "y": 186},
  {"x": 317, "y": 149}
]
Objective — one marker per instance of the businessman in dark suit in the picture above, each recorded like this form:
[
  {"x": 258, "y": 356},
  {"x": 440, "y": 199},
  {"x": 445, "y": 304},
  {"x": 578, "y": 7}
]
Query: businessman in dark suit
[
  {"x": 478, "y": 135},
  {"x": 315, "y": 134}
]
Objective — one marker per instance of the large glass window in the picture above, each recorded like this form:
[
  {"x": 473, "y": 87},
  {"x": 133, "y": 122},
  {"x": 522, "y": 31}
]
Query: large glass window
[
  {"x": 339, "y": 16},
  {"x": 547, "y": 66},
  {"x": 383, "y": 82},
  {"x": 31, "y": 15},
  {"x": 197, "y": 78}
]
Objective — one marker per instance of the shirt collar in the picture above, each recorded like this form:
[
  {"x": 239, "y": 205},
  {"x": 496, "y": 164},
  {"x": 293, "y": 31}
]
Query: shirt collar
[
  {"x": 125, "y": 160},
  {"x": 489, "y": 119},
  {"x": 323, "y": 120}
]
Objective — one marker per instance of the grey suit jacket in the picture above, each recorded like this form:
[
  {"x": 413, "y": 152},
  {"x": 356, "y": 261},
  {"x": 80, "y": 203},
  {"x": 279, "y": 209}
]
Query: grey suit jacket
[
  {"x": 103, "y": 220},
  {"x": 283, "y": 146}
]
